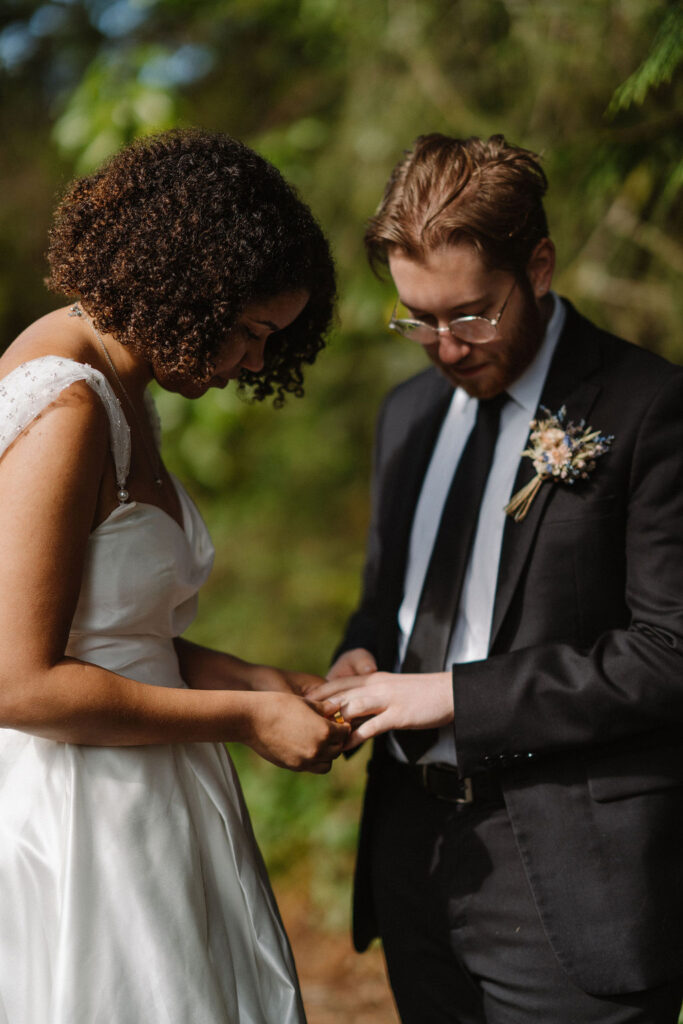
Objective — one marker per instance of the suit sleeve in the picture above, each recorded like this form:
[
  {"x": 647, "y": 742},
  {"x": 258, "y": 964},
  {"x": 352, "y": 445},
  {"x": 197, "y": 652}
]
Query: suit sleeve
[{"x": 630, "y": 681}]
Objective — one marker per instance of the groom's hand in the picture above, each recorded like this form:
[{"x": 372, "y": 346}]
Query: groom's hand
[
  {"x": 356, "y": 662},
  {"x": 381, "y": 701}
]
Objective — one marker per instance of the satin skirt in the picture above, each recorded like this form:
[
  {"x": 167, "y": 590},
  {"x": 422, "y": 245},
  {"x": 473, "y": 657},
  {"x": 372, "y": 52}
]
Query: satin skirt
[{"x": 132, "y": 890}]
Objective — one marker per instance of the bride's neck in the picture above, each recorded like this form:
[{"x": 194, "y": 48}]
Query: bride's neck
[
  {"x": 133, "y": 371},
  {"x": 120, "y": 364}
]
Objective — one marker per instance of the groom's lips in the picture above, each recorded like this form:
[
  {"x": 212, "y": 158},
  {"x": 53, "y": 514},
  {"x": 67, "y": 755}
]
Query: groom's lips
[{"x": 467, "y": 371}]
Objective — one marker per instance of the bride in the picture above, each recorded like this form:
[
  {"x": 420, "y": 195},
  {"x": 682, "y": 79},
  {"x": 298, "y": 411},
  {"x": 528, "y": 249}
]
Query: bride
[{"x": 130, "y": 883}]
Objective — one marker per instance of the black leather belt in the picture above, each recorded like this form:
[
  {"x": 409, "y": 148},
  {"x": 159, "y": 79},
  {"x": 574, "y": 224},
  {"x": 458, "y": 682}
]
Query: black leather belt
[{"x": 443, "y": 782}]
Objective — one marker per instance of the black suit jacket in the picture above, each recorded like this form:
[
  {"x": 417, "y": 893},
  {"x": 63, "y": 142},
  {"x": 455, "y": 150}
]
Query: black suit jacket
[{"x": 585, "y": 671}]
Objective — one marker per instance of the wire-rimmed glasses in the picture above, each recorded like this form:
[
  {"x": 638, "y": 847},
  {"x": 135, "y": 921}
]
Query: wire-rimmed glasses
[{"x": 473, "y": 330}]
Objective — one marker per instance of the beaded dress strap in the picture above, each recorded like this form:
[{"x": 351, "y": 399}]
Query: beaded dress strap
[{"x": 32, "y": 386}]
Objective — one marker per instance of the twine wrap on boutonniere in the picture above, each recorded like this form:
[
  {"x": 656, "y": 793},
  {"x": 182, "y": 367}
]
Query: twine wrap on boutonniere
[{"x": 561, "y": 452}]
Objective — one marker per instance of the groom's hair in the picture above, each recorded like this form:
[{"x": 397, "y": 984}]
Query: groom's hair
[{"x": 446, "y": 191}]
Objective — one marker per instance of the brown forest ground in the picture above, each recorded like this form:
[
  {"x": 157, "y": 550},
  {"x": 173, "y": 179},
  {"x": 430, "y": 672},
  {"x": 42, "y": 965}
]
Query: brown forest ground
[{"x": 339, "y": 986}]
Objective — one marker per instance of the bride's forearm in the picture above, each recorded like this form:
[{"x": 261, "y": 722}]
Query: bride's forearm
[
  {"x": 77, "y": 702},
  {"x": 203, "y": 668}
]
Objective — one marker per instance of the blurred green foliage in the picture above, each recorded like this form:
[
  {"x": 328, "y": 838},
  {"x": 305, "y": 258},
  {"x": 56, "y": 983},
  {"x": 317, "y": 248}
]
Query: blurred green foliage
[{"x": 332, "y": 91}]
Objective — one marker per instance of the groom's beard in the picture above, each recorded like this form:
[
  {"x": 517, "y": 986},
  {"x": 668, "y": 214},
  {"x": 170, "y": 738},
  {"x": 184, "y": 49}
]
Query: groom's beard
[{"x": 489, "y": 369}]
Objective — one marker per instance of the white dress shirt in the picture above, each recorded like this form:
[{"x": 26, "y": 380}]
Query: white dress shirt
[{"x": 471, "y": 633}]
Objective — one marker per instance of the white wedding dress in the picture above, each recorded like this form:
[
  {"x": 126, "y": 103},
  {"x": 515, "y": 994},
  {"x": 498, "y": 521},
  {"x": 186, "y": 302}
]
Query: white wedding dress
[{"x": 131, "y": 887}]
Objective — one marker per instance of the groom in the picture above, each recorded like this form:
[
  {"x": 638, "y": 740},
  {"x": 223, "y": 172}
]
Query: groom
[{"x": 521, "y": 850}]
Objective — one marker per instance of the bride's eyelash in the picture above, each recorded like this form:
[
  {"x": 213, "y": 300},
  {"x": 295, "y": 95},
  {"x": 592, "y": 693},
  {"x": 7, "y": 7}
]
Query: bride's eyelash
[{"x": 250, "y": 334}]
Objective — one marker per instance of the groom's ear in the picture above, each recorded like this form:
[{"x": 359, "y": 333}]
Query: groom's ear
[{"x": 541, "y": 267}]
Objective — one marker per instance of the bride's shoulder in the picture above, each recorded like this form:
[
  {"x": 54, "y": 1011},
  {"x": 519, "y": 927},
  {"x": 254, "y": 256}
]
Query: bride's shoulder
[
  {"x": 46, "y": 370},
  {"x": 51, "y": 358},
  {"x": 52, "y": 335}
]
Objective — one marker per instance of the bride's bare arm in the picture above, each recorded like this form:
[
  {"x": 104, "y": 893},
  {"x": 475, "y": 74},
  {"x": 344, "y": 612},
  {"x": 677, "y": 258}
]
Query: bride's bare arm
[
  {"x": 49, "y": 483},
  {"x": 206, "y": 669}
]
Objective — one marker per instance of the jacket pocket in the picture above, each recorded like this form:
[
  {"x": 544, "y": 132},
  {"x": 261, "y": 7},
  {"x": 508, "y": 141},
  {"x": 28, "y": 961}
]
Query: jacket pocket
[{"x": 618, "y": 776}]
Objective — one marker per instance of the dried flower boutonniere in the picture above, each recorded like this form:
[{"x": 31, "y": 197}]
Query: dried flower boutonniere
[{"x": 561, "y": 452}]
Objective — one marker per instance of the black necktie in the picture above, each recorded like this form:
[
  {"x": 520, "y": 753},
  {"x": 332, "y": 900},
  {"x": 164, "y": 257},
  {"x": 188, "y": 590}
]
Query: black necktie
[{"x": 429, "y": 641}]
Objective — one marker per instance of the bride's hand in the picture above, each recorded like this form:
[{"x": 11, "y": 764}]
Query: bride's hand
[
  {"x": 387, "y": 700},
  {"x": 294, "y": 733},
  {"x": 301, "y": 683}
]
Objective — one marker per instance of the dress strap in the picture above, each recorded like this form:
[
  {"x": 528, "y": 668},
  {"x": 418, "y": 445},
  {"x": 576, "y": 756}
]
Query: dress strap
[{"x": 32, "y": 386}]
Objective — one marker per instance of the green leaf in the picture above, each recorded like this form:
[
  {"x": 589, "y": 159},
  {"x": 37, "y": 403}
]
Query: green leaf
[
  {"x": 112, "y": 105},
  {"x": 658, "y": 67}
]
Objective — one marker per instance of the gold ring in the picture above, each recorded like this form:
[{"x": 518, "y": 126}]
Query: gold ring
[{"x": 338, "y": 717}]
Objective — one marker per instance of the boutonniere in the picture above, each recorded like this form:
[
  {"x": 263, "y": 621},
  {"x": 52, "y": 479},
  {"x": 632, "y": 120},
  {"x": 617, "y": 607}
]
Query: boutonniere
[{"x": 561, "y": 452}]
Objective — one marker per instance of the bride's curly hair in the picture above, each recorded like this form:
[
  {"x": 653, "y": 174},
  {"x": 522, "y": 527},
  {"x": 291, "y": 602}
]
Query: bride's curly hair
[{"x": 174, "y": 236}]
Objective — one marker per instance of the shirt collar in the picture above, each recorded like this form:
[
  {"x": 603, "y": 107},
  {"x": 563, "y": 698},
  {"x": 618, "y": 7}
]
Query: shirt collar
[{"x": 526, "y": 390}]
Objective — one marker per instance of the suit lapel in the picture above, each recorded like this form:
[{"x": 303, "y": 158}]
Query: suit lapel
[{"x": 577, "y": 358}]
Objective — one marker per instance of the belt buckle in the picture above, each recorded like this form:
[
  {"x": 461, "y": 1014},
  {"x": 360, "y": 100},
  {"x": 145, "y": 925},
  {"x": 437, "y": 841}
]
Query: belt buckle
[{"x": 464, "y": 783}]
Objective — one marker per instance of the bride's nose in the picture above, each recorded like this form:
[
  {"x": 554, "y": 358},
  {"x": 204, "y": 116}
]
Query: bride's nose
[{"x": 253, "y": 358}]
